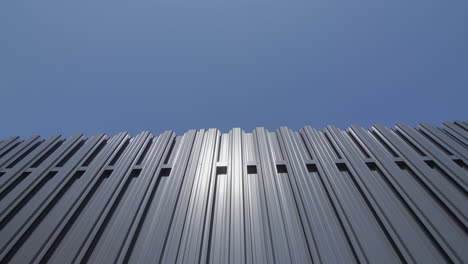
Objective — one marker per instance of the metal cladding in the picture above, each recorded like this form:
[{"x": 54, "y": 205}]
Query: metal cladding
[{"x": 334, "y": 196}]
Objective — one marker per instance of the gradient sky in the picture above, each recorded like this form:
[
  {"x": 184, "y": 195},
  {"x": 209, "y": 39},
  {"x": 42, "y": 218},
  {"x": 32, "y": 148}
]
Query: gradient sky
[{"x": 89, "y": 66}]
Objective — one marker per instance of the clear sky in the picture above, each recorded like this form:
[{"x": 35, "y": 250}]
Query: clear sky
[{"x": 90, "y": 66}]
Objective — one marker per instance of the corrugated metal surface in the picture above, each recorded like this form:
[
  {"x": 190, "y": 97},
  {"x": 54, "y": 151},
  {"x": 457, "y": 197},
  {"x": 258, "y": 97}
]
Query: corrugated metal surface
[{"x": 333, "y": 196}]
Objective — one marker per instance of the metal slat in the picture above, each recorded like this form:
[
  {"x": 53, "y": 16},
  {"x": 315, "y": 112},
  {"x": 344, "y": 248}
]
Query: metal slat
[
  {"x": 276, "y": 196},
  {"x": 260, "y": 231},
  {"x": 257, "y": 232},
  {"x": 237, "y": 225},
  {"x": 297, "y": 242},
  {"x": 219, "y": 238}
]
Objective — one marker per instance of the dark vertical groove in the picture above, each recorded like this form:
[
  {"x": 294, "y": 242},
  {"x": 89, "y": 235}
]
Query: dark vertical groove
[{"x": 460, "y": 163}]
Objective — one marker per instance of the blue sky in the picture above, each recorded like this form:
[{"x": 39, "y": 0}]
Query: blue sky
[{"x": 69, "y": 67}]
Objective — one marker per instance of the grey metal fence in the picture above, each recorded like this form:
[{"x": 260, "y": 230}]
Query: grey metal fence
[{"x": 332, "y": 196}]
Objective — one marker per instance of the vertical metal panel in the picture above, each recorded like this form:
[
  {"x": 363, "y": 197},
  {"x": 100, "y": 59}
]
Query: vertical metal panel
[{"x": 331, "y": 196}]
